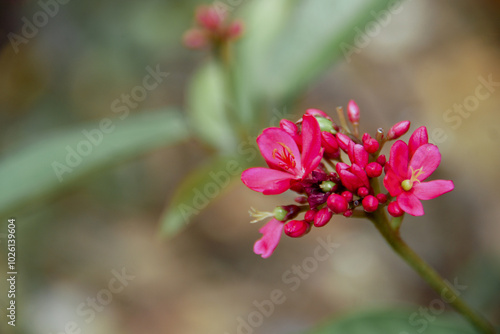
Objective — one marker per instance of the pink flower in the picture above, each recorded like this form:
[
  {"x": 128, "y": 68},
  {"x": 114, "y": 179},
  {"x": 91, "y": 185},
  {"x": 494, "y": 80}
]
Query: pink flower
[
  {"x": 285, "y": 161},
  {"x": 266, "y": 245},
  {"x": 406, "y": 172}
]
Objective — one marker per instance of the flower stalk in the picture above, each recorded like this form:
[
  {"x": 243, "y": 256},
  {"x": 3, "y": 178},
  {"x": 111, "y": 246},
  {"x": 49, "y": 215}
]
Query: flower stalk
[{"x": 390, "y": 232}]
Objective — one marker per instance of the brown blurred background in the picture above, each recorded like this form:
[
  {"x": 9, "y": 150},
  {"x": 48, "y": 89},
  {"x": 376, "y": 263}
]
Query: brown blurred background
[{"x": 430, "y": 57}]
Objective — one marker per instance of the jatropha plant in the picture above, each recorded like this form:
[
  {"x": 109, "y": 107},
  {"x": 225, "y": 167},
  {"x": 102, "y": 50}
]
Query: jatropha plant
[{"x": 307, "y": 158}]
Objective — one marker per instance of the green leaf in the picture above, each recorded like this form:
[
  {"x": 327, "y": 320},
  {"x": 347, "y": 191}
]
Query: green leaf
[
  {"x": 316, "y": 34},
  {"x": 264, "y": 20},
  {"x": 44, "y": 168},
  {"x": 208, "y": 104},
  {"x": 394, "y": 322},
  {"x": 198, "y": 190}
]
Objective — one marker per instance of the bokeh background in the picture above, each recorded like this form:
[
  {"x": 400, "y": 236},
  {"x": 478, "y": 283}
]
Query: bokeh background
[{"x": 430, "y": 56}]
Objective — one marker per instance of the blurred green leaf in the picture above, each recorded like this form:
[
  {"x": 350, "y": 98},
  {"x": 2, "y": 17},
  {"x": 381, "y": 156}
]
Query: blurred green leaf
[
  {"x": 309, "y": 42},
  {"x": 52, "y": 164},
  {"x": 208, "y": 104},
  {"x": 394, "y": 322},
  {"x": 263, "y": 22},
  {"x": 198, "y": 190}
]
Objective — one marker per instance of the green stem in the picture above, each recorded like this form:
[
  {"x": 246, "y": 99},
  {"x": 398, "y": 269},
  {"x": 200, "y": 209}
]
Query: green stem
[{"x": 379, "y": 219}]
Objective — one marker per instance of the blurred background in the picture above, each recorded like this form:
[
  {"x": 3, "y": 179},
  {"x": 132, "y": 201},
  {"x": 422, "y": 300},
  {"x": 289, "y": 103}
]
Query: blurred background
[{"x": 73, "y": 236}]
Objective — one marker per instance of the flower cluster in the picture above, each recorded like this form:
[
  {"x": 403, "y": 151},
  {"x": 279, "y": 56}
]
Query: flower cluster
[
  {"x": 335, "y": 171},
  {"x": 212, "y": 28}
]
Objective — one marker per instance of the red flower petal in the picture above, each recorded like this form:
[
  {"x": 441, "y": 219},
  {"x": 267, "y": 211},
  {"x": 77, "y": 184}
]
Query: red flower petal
[
  {"x": 398, "y": 160},
  {"x": 275, "y": 143},
  {"x": 311, "y": 144},
  {"x": 266, "y": 245},
  {"x": 427, "y": 159},
  {"x": 410, "y": 204},
  {"x": 267, "y": 181},
  {"x": 418, "y": 138},
  {"x": 432, "y": 189},
  {"x": 392, "y": 183}
]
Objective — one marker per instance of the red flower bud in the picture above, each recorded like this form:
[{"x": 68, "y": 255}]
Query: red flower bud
[
  {"x": 348, "y": 213},
  {"x": 394, "y": 209},
  {"x": 322, "y": 217},
  {"x": 301, "y": 199},
  {"x": 209, "y": 17},
  {"x": 337, "y": 203},
  {"x": 347, "y": 195},
  {"x": 398, "y": 130},
  {"x": 381, "y": 160},
  {"x": 382, "y": 198},
  {"x": 353, "y": 112},
  {"x": 363, "y": 191},
  {"x": 344, "y": 141},
  {"x": 370, "y": 203},
  {"x": 329, "y": 142},
  {"x": 195, "y": 39},
  {"x": 235, "y": 29},
  {"x": 309, "y": 216},
  {"x": 296, "y": 228},
  {"x": 371, "y": 145},
  {"x": 373, "y": 169}
]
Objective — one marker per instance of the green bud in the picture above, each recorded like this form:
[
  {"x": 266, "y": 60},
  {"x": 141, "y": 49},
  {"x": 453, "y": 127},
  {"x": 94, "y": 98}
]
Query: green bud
[
  {"x": 280, "y": 213},
  {"x": 407, "y": 185},
  {"x": 327, "y": 186},
  {"x": 324, "y": 124}
]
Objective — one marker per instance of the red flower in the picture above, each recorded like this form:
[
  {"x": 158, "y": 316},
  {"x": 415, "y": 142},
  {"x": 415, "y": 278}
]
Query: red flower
[
  {"x": 266, "y": 245},
  {"x": 408, "y": 168},
  {"x": 285, "y": 161}
]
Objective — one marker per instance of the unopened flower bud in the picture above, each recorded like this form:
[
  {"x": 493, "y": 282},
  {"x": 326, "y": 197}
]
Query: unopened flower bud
[
  {"x": 381, "y": 160},
  {"x": 363, "y": 191},
  {"x": 347, "y": 195},
  {"x": 373, "y": 169},
  {"x": 348, "y": 213},
  {"x": 394, "y": 209},
  {"x": 235, "y": 29},
  {"x": 309, "y": 216},
  {"x": 322, "y": 217},
  {"x": 371, "y": 145},
  {"x": 337, "y": 203},
  {"x": 296, "y": 228},
  {"x": 329, "y": 142},
  {"x": 301, "y": 199},
  {"x": 398, "y": 130},
  {"x": 353, "y": 112},
  {"x": 382, "y": 198},
  {"x": 370, "y": 203},
  {"x": 209, "y": 17},
  {"x": 343, "y": 141},
  {"x": 195, "y": 39}
]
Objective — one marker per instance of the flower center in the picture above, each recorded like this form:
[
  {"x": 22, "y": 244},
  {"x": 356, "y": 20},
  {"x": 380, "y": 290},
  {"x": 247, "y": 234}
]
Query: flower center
[
  {"x": 285, "y": 157},
  {"x": 408, "y": 183}
]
